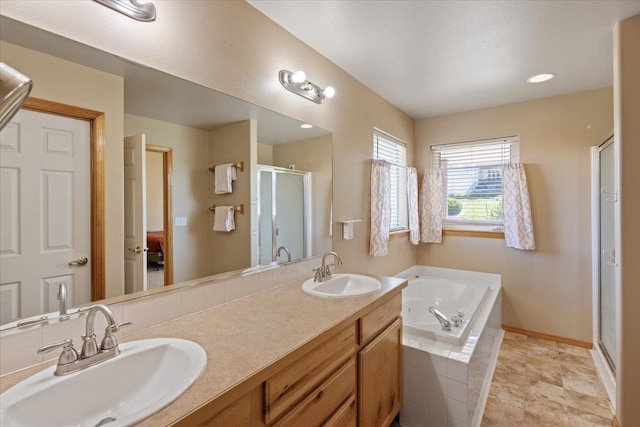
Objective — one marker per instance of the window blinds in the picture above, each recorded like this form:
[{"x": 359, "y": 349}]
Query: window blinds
[
  {"x": 473, "y": 172},
  {"x": 386, "y": 147}
]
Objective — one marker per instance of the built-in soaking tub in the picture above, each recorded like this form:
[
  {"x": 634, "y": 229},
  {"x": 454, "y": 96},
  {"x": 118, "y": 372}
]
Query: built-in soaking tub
[
  {"x": 447, "y": 374},
  {"x": 449, "y": 296}
]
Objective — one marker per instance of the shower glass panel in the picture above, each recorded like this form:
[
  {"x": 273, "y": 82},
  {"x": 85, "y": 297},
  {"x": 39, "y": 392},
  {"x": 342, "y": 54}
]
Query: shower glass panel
[
  {"x": 608, "y": 257},
  {"x": 265, "y": 214},
  {"x": 290, "y": 213},
  {"x": 283, "y": 213}
]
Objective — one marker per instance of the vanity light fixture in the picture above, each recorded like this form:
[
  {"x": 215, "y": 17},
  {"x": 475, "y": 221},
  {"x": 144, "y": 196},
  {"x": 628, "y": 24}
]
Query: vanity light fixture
[
  {"x": 297, "y": 83},
  {"x": 14, "y": 90},
  {"x": 539, "y": 78},
  {"x": 136, "y": 9},
  {"x": 306, "y": 126}
]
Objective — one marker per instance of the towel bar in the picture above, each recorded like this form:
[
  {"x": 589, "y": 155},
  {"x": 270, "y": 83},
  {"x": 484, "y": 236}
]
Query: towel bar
[
  {"x": 235, "y": 208},
  {"x": 239, "y": 165}
]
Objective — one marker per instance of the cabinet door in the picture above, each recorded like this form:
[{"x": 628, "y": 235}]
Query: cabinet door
[{"x": 380, "y": 378}]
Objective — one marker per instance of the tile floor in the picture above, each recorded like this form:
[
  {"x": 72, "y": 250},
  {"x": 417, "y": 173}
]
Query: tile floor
[{"x": 543, "y": 383}]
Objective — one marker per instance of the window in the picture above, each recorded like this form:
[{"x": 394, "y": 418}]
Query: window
[
  {"x": 386, "y": 147},
  {"x": 473, "y": 186}
]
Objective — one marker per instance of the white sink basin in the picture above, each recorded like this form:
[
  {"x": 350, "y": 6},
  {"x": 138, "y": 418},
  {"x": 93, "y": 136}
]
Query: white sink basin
[
  {"x": 144, "y": 378},
  {"x": 342, "y": 286}
]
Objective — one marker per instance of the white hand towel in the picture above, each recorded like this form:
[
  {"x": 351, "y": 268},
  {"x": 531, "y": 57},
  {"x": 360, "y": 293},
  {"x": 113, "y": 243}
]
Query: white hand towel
[
  {"x": 223, "y": 219},
  {"x": 223, "y": 178}
]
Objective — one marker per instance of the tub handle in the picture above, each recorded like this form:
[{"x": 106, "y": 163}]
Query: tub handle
[{"x": 458, "y": 319}]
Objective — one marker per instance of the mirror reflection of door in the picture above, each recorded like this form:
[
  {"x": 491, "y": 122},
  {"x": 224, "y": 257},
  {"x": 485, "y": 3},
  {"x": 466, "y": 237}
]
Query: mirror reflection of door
[
  {"x": 148, "y": 240},
  {"x": 135, "y": 221},
  {"x": 284, "y": 213},
  {"x": 44, "y": 213}
]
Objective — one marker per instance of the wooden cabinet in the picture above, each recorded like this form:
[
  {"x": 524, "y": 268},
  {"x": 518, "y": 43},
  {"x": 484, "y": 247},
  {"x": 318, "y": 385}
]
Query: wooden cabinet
[
  {"x": 299, "y": 378},
  {"x": 351, "y": 378},
  {"x": 245, "y": 411},
  {"x": 380, "y": 378}
]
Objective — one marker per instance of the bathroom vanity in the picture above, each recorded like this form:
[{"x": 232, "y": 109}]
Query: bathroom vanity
[{"x": 287, "y": 358}]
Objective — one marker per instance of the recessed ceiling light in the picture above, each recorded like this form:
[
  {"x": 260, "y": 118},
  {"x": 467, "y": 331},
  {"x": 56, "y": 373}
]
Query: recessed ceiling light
[
  {"x": 306, "y": 126},
  {"x": 539, "y": 78}
]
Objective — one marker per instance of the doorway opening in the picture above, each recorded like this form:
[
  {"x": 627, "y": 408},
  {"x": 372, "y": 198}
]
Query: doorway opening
[{"x": 159, "y": 164}]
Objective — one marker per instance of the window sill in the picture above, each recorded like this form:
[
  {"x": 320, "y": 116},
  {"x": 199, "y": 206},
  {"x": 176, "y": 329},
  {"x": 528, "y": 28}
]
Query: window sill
[
  {"x": 398, "y": 234},
  {"x": 497, "y": 234}
]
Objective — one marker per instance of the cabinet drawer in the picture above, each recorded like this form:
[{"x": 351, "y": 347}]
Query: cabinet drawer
[
  {"x": 374, "y": 322},
  {"x": 345, "y": 416},
  {"x": 324, "y": 400},
  {"x": 292, "y": 383}
]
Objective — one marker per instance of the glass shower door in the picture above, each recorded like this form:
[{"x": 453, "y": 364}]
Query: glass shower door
[{"x": 608, "y": 259}]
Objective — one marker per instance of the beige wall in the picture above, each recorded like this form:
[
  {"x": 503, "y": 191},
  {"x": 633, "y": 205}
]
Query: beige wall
[
  {"x": 232, "y": 144},
  {"x": 312, "y": 155},
  {"x": 627, "y": 129},
  {"x": 547, "y": 290},
  {"x": 265, "y": 154},
  {"x": 69, "y": 83},
  {"x": 190, "y": 178},
  {"x": 155, "y": 187},
  {"x": 244, "y": 52}
]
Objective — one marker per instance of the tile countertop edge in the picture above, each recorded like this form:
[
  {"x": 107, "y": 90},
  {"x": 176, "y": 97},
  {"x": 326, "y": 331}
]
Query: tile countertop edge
[{"x": 248, "y": 340}]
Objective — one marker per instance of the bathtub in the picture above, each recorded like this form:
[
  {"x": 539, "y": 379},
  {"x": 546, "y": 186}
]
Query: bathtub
[
  {"x": 447, "y": 375},
  {"x": 448, "y": 296}
]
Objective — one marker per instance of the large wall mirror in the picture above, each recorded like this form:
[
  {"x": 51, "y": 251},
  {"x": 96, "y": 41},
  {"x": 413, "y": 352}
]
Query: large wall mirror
[{"x": 163, "y": 178}]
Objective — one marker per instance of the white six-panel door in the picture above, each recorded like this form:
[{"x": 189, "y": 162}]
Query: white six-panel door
[
  {"x": 44, "y": 213},
  {"x": 135, "y": 215}
]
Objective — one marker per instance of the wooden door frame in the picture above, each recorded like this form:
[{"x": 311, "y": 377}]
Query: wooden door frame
[
  {"x": 97, "y": 142},
  {"x": 167, "y": 206}
]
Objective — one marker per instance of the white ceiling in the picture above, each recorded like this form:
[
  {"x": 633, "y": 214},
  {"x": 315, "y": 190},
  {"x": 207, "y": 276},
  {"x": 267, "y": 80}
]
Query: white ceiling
[{"x": 436, "y": 57}]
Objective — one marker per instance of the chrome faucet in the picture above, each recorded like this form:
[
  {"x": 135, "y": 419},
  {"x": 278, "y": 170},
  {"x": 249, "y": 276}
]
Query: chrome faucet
[
  {"x": 286, "y": 250},
  {"x": 70, "y": 361},
  {"x": 324, "y": 272},
  {"x": 444, "y": 322}
]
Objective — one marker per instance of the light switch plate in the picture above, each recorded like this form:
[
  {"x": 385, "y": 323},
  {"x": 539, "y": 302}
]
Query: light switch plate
[{"x": 181, "y": 221}]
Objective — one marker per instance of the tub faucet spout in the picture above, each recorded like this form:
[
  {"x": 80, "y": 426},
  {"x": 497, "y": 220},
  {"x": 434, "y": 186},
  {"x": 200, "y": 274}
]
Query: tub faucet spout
[{"x": 444, "y": 322}]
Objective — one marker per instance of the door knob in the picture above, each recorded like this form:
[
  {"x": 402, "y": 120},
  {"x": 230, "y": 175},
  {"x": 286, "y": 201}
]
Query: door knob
[
  {"x": 138, "y": 250},
  {"x": 79, "y": 261}
]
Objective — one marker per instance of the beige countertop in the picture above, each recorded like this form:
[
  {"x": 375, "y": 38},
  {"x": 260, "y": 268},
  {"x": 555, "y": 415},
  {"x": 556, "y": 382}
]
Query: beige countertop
[{"x": 245, "y": 338}]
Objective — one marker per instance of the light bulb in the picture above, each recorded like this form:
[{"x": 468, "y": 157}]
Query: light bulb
[
  {"x": 329, "y": 92},
  {"x": 306, "y": 126},
  {"x": 298, "y": 77}
]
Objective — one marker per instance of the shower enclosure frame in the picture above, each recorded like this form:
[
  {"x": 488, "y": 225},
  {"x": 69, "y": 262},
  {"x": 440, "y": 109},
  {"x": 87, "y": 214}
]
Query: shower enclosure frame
[
  {"x": 307, "y": 213},
  {"x": 604, "y": 364}
]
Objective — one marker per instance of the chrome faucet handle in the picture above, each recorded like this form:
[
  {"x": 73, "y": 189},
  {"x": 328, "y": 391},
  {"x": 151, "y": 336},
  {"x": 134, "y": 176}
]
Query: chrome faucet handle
[
  {"x": 68, "y": 355},
  {"x": 110, "y": 341},
  {"x": 318, "y": 276},
  {"x": 458, "y": 318}
]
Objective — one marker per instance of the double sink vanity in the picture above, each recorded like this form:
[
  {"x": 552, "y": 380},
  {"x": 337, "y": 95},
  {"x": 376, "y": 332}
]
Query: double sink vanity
[{"x": 324, "y": 352}]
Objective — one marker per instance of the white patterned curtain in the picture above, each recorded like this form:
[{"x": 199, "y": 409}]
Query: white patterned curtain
[
  {"x": 432, "y": 198},
  {"x": 380, "y": 207},
  {"x": 518, "y": 224},
  {"x": 412, "y": 204}
]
